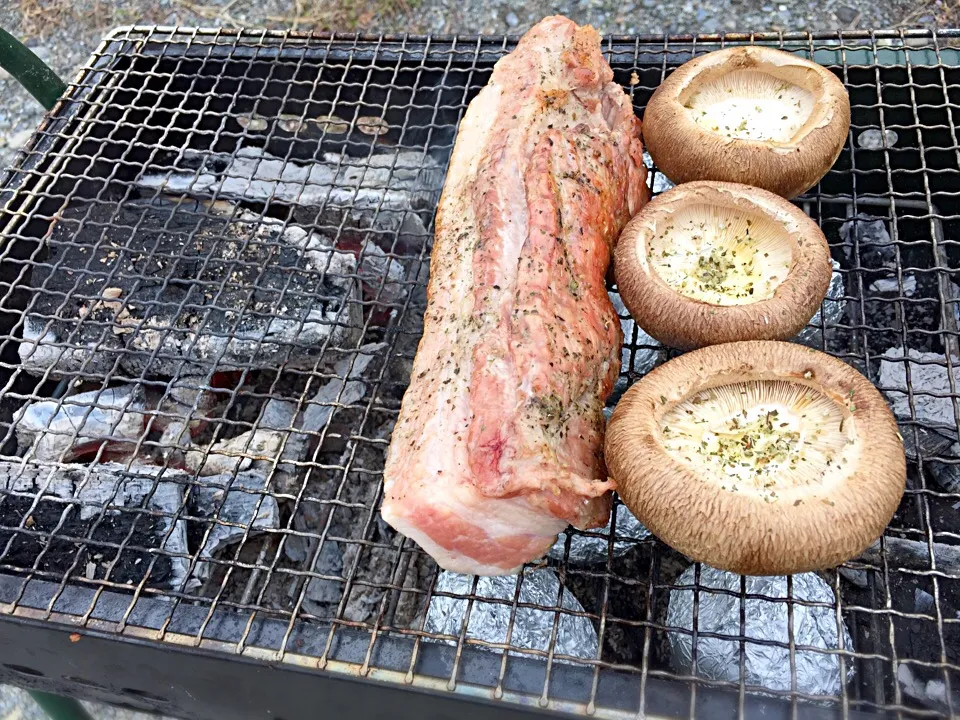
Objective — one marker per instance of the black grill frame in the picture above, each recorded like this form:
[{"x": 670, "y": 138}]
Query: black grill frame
[{"x": 194, "y": 645}]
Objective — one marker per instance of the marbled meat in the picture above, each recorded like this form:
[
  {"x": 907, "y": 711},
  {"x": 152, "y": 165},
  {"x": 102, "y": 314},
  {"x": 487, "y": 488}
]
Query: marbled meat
[{"x": 498, "y": 443}]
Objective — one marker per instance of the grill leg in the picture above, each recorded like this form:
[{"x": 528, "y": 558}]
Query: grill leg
[{"x": 58, "y": 707}]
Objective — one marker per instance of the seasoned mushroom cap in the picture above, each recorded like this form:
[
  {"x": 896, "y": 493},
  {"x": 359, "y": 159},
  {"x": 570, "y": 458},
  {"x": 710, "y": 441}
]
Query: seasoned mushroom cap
[
  {"x": 751, "y": 115},
  {"x": 708, "y": 263},
  {"x": 762, "y": 458}
]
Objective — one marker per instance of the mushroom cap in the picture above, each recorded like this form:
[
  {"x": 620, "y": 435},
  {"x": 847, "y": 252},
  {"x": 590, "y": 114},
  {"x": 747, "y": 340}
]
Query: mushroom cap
[
  {"x": 787, "y": 157},
  {"x": 792, "y": 242},
  {"x": 802, "y": 521}
]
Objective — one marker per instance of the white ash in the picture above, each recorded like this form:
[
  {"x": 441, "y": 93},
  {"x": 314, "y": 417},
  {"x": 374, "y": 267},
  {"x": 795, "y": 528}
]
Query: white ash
[
  {"x": 236, "y": 454},
  {"x": 376, "y": 268},
  {"x": 395, "y": 222},
  {"x": 238, "y": 507},
  {"x": 180, "y": 409},
  {"x": 767, "y": 666},
  {"x": 891, "y": 286},
  {"x": 932, "y": 693},
  {"x": 400, "y": 180},
  {"x": 532, "y": 628},
  {"x": 233, "y": 290},
  {"x": 329, "y": 589},
  {"x": 108, "y": 487},
  {"x": 592, "y": 548},
  {"x": 253, "y": 340},
  {"x": 54, "y": 430},
  {"x": 877, "y": 139},
  {"x": 310, "y": 518},
  {"x": 384, "y": 275},
  {"x": 867, "y": 243},
  {"x": 321, "y": 519},
  {"x": 830, "y": 313}
]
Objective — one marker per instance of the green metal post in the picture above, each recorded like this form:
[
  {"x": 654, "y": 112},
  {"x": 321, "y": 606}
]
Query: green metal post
[
  {"x": 59, "y": 707},
  {"x": 30, "y": 71}
]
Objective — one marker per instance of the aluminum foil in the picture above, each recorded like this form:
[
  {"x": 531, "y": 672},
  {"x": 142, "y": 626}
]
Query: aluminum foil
[
  {"x": 830, "y": 313},
  {"x": 661, "y": 183},
  {"x": 766, "y": 666},
  {"x": 637, "y": 361},
  {"x": 592, "y": 549},
  {"x": 532, "y": 628}
]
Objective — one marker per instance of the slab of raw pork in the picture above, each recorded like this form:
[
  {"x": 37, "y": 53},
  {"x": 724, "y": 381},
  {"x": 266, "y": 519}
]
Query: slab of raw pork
[{"x": 498, "y": 444}]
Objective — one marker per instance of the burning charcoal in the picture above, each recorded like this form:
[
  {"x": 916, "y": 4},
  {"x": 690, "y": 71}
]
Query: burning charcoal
[
  {"x": 830, "y": 313},
  {"x": 311, "y": 517},
  {"x": 316, "y": 414},
  {"x": 181, "y": 411},
  {"x": 867, "y": 243},
  {"x": 766, "y": 665},
  {"x": 401, "y": 180},
  {"x": 336, "y": 197},
  {"x": 236, "y": 454},
  {"x": 80, "y": 425},
  {"x": 191, "y": 284},
  {"x": 490, "y": 622},
  {"x": 238, "y": 506},
  {"x": 591, "y": 549},
  {"x": 105, "y": 489},
  {"x": 932, "y": 403},
  {"x": 376, "y": 268}
]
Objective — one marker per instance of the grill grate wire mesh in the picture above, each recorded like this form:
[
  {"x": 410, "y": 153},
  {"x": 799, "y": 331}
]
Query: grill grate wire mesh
[{"x": 200, "y": 104}]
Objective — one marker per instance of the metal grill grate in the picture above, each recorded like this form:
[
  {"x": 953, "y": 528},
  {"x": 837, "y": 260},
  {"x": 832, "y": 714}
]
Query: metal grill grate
[{"x": 201, "y": 192}]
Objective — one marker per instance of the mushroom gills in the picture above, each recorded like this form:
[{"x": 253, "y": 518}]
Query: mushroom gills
[
  {"x": 721, "y": 256},
  {"x": 752, "y": 105},
  {"x": 780, "y": 440}
]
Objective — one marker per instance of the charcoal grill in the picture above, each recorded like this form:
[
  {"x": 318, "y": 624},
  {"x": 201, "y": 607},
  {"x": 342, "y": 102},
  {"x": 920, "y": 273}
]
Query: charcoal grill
[{"x": 101, "y": 592}]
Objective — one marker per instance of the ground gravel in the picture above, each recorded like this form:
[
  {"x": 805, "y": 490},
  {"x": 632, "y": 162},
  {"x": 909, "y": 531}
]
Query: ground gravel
[{"x": 64, "y": 33}]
